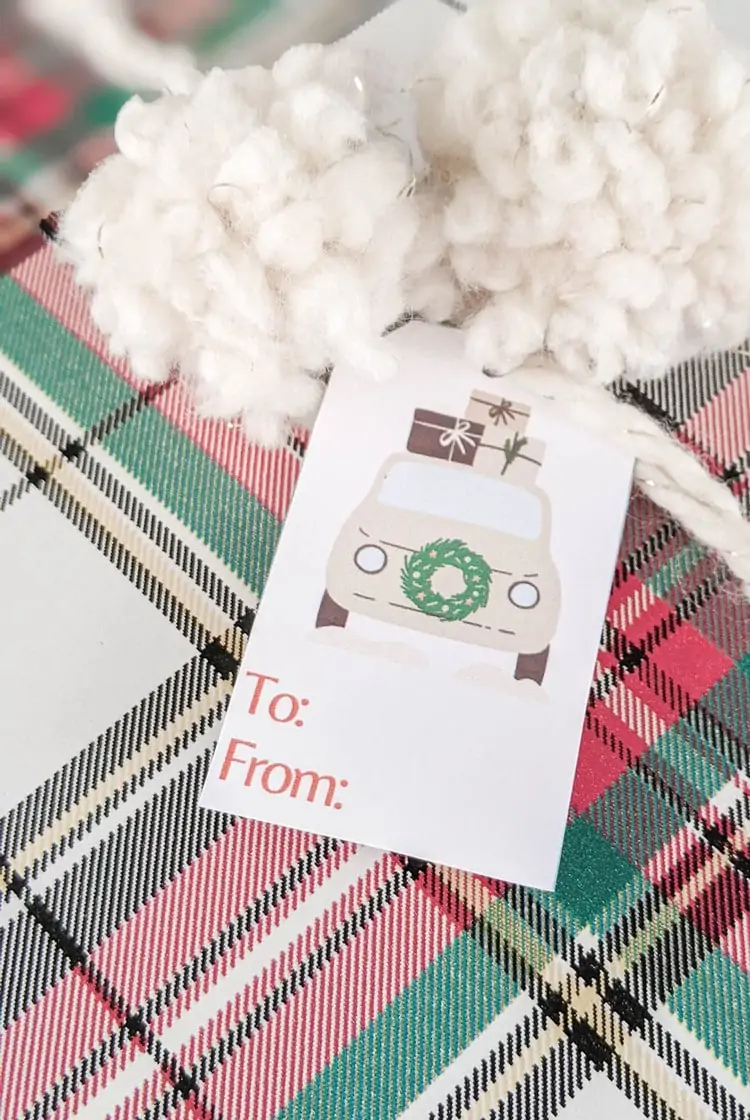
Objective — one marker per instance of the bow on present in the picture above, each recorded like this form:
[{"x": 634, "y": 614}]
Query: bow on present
[
  {"x": 503, "y": 411},
  {"x": 459, "y": 437}
]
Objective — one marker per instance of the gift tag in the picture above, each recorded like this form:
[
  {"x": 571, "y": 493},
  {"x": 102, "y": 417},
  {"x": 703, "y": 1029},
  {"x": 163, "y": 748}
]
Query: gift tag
[{"x": 418, "y": 671}]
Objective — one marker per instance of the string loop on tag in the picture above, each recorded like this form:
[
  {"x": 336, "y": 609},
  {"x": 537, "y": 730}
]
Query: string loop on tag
[{"x": 668, "y": 473}]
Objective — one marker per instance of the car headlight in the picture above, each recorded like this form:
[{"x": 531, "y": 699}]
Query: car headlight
[
  {"x": 524, "y": 595},
  {"x": 370, "y": 558}
]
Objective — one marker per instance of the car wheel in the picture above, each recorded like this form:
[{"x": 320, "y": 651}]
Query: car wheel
[
  {"x": 532, "y": 666},
  {"x": 330, "y": 613}
]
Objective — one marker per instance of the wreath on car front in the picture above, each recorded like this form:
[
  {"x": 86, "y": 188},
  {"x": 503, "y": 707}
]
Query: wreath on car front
[{"x": 421, "y": 566}]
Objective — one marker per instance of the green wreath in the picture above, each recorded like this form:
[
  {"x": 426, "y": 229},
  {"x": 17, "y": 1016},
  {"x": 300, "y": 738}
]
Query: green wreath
[{"x": 420, "y": 567}]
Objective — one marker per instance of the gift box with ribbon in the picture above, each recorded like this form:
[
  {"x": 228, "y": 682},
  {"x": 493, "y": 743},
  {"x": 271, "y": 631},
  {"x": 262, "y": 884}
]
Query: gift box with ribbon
[
  {"x": 517, "y": 459},
  {"x": 440, "y": 436},
  {"x": 498, "y": 415}
]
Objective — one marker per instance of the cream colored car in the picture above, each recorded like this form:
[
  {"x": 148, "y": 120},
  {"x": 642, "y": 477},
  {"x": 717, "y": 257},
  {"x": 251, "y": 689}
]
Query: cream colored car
[{"x": 446, "y": 550}]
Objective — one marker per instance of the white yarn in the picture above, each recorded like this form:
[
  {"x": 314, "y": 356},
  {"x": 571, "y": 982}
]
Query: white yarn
[
  {"x": 252, "y": 232},
  {"x": 591, "y": 158},
  {"x": 586, "y": 212},
  {"x": 104, "y": 34},
  {"x": 667, "y": 472}
]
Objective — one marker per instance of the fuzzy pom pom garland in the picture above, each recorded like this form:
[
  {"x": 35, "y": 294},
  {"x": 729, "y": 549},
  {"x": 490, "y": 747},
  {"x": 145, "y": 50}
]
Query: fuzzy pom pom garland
[
  {"x": 587, "y": 161},
  {"x": 252, "y": 232},
  {"x": 591, "y": 160},
  {"x": 578, "y": 203}
]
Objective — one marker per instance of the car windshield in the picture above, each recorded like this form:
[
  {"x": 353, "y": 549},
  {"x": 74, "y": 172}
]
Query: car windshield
[{"x": 463, "y": 495}]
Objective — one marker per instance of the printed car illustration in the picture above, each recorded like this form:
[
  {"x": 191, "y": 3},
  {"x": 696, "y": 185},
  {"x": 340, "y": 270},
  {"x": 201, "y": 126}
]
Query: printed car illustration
[{"x": 453, "y": 539}]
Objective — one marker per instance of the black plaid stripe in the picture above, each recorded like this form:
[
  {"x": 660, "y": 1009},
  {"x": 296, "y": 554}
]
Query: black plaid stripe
[
  {"x": 688, "y": 387},
  {"x": 724, "y": 739},
  {"x": 220, "y": 945},
  {"x": 661, "y": 779},
  {"x": 103, "y": 758},
  {"x": 658, "y": 971},
  {"x": 185, "y": 1083},
  {"x": 635, "y": 658},
  {"x": 139, "y": 573},
  {"x": 76, "y": 900},
  {"x": 62, "y": 444},
  {"x": 689, "y": 1070},
  {"x": 30, "y": 473},
  {"x": 643, "y": 1095},
  {"x": 667, "y": 962},
  {"x": 75, "y": 450},
  {"x": 642, "y": 553},
  {"x": 168, "y": 542},
  {"x": 29, "y": 962},
  {"x": 223, "y": 941},
  {"x": 549, "y": 1087},
  {"x": 557, "y": 1076},
  {"x": 128, "y": 866},
  {"x": 131, "y": 1025},
  {"x": 31, "y": 411},
  {"x": 220, "y": 652},
  {"x": 302, "y": 974}
]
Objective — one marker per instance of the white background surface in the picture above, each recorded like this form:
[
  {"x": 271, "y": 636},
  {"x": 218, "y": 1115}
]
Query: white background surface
[
  {"x": 54, "y": 704},
  {"x": 439, "y": 768},
  {"x": 733, "y": 17}
]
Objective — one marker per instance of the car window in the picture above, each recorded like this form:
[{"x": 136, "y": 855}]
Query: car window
[{"x": 463, "y": 495}]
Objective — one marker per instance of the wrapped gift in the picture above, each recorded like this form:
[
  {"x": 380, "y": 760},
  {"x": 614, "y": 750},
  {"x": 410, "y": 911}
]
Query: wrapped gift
[
  {"x": 517, "y": 459},
  {"x": 440, "y": 436},
  {"x": 497, "y": 414}
]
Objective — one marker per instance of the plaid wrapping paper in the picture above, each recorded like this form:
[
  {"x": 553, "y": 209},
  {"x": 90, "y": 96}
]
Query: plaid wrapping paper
[
  {"x": 156, "y": 959},
  {"x": 56, "y": 117}
]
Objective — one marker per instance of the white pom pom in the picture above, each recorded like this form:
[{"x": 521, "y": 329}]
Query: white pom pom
[
  {"x": 355, "y": 193},
  {"x": 319, "y": 121},
  {"x": 508, "y": 325},
  {"x": 299, "y": 65},
  {"x": 140, "y": 124},
  {"x": 292, "y": 238},
  {"x": 252, "y": 233},
  {"x": 590, "y": 158}
]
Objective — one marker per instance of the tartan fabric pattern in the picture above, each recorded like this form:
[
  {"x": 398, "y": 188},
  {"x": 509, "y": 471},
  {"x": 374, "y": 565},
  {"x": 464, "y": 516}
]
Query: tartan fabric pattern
[
  {"x": 157, "y": 959},
  {"x": 56, "y": 117}
]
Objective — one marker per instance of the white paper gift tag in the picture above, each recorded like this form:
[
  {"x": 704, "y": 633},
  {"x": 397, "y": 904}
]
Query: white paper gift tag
[{"x": 418, "y": 672}]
